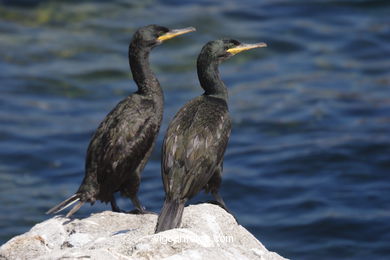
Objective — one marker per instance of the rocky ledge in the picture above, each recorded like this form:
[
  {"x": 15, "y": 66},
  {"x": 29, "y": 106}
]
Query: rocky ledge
[{"x": 207, "y": 232}]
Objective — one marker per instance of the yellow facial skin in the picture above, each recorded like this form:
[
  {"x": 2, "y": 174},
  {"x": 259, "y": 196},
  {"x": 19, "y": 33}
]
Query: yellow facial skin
[
  {"x": 173, "y": 33},
  {"x": 245, "y": 47}
]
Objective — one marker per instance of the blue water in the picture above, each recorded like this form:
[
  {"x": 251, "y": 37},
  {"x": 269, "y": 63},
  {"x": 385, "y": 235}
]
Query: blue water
[{"x": 307, "y": 169}]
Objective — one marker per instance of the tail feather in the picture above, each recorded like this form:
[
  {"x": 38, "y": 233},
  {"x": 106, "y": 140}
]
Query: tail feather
[
  {"x": 170, "y": 216},
  {"x": 74, "y": 209},
  {"x": 66, "y": 203}
]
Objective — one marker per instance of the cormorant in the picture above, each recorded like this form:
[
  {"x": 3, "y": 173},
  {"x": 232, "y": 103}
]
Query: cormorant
[
  {"x": 197, "y": 137},
  {"x": 124, "y": 140}
]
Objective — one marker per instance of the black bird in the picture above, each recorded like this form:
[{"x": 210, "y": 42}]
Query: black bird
[
  {"x": 124, "y": 140},
  {"x": 197, "y": 137}
]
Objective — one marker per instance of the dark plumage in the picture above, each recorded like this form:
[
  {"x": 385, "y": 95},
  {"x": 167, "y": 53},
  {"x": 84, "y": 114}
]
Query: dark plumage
[
  {"x": 197, "y": 137},
  {"x": 124, "y": 140}
]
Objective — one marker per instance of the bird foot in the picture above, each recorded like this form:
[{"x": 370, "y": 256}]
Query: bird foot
[
  {"x": 141, "y": 212},
  {"x": 218, "y": 204},
  {"x": 118, "y": 210},
  {"x": 224, "y": 207}
]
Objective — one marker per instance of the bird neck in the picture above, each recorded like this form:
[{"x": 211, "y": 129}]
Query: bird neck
[
  {"x": 210, "y": 80},
  {"x": 142, "y": 74}
]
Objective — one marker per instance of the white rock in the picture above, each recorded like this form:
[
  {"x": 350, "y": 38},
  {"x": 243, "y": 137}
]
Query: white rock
[{"x": 207, "y": 232}]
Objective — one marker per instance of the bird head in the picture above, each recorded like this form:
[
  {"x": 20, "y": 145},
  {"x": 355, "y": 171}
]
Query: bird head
[
  {"x": 221, "y": 50},
  {"x": 152, "y": 35}
]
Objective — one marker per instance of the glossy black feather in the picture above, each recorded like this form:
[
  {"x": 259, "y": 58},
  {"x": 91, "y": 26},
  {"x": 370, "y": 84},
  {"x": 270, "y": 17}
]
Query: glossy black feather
[
  {"x": 124, "y": 140},
  {"x": 196, "y": 140},
  {"x": 120, "y": 148},
  {"x": 194, "y": 146}
]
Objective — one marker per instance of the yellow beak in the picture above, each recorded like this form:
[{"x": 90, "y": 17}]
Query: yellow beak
[
  {"x": 173, "y": 33},
  {"x": 245, "y": 47}
]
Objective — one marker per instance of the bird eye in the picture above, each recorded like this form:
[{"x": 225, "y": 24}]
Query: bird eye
[{"x": 230, "y": 46}]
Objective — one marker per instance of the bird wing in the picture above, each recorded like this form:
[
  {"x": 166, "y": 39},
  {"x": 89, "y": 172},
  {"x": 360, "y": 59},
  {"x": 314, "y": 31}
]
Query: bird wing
[
  {"x": 121, "y": 141},
  {"x": 194, "y": 146}
]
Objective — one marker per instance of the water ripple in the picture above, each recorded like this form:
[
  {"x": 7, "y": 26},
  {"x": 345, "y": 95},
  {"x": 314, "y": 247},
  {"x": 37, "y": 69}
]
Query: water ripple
[{"x": 306, "y": 169}]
